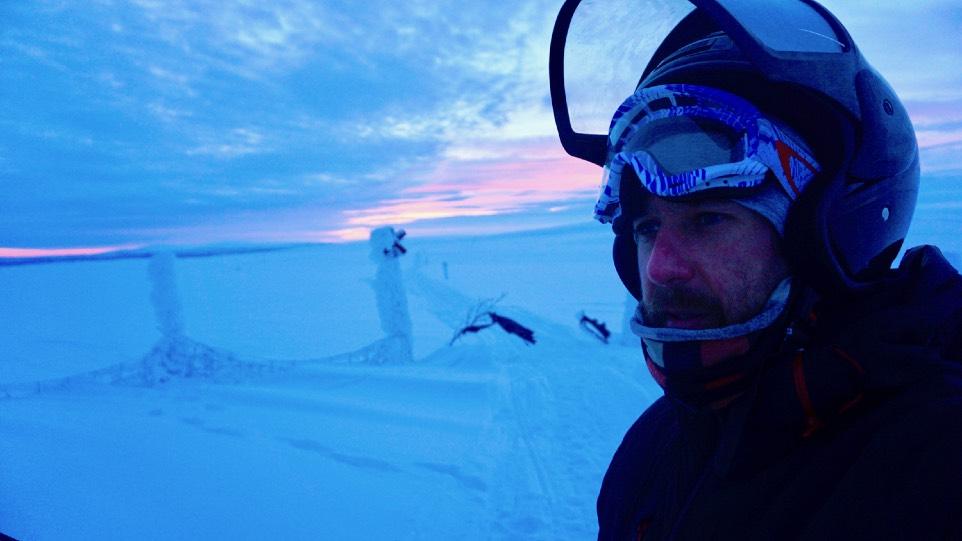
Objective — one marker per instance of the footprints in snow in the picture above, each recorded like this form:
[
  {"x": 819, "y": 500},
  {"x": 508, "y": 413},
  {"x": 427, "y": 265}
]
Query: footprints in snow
[
  {"x": 468, "y": 480},
  {"x": 356, "y": 461}
]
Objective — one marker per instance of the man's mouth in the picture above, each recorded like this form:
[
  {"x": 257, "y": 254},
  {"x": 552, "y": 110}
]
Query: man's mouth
[
  {"x": 681, "y": 308},
  {"x": 686, "y": 320}
]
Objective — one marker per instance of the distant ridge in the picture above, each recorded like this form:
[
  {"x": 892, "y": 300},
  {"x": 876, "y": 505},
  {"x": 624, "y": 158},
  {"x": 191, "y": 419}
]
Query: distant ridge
[
  {"x": 143, "y": 253},
  {"x": 587, "y": 227}
]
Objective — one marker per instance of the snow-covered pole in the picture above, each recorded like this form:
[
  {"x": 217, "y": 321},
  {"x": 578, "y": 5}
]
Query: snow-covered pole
[
  {"x": 174, "y": 355},
  {"x": 163, "y": 294},
  {"x": 392, "y": 303}
]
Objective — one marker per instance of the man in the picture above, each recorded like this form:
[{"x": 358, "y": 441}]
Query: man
[{"x": 760, "y": 182}]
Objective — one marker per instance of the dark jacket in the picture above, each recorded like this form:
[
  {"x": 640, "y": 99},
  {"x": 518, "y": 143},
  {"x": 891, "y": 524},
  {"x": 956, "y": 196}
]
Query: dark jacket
[{"x": 857, "y": 437}]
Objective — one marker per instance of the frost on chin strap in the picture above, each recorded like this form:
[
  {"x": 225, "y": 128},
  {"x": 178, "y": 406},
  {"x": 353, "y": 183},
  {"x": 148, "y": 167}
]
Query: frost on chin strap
[
  {"x": 759, "y": 146},
  {"x": 708, "y": 367},
  {"x": 707, "y": 342}
]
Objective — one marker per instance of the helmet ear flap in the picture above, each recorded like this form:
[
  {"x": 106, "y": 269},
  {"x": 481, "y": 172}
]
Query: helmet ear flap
[
  {"x": 625, "y": 250},
  {"x": 625, "y": 254}
]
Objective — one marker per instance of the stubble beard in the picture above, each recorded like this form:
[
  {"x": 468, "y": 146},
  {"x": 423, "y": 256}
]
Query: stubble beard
[{"x": 659, "y": 303}]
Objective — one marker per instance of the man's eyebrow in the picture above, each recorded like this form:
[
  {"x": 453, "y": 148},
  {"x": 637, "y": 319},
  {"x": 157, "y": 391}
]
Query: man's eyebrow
[
  {"x": 714, "y": 203},
  {"x": 642, "y": 208}
]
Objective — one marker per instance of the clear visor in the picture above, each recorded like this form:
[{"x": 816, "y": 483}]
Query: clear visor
[
  {"x": 610, "y": 42},
  {"x": 608, "y": 46}
]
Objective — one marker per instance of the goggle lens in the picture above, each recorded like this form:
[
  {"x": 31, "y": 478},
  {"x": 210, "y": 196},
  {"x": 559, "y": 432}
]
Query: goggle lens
[{"x": 681, "y": 143}]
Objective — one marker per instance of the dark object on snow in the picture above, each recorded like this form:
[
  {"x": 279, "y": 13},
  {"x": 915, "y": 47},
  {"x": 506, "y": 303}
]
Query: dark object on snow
[
  {"x": 509, "y": 326},
  {"x": 470, "y": 329},
  {"x": 397, "y": 250},
  {"x": 594, "y": 327}
]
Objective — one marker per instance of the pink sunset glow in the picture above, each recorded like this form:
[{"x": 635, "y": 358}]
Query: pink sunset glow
[
  {"x": 524, "y": 175},
  {"x": 925, "y": 114},
  {"x": 939, "y": 138},
  {"x": 9, "y": 253}
]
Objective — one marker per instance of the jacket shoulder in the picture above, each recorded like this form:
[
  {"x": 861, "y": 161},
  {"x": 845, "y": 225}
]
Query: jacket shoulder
[
  {"x": 906, "y": 481},
  {"x": 634, "y": 466}
]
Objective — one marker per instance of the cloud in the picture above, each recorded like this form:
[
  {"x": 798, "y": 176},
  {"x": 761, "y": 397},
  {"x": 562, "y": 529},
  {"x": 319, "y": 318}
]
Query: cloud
[
  {"x": 319, "y": 120},
  {"x": 930, "y": 139},
  {"x": 497, "y": 152},
  {"x": 238, "y": 142},
  {"x": 111, "y": 80},
  {"x": 942, "y": 159},
  {"x": 168, "y": 114},
  {"x": 463, "y": 119},
  {"x": 938, "y": 127},
  {"x": 408, "y": 210},
  {"x": 200, "y": 100},
  {"x": 243, "y": 37},
  {"x": 326, "y": 179},
  {"x": 256, "y": 39},
  {"x": 167, "y": 75},
  {"x": 499, "y": 178},
  {"x": 934, "y": 113},
  {"x": 493, "y": 63},
  {"x": 914, "y": 45},
  {"x": 342, "y": 235}
]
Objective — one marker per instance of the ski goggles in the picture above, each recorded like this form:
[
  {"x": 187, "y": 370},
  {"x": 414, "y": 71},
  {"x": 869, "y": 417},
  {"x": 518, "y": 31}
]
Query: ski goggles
[{"x": 683, "y": 140}]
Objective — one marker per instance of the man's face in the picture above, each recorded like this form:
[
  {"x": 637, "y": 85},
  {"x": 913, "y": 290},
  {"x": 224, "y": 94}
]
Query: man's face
[{"x": 704, "y": 264}]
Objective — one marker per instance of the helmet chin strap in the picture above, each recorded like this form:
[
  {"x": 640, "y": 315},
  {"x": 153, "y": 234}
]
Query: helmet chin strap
[
  {"x": 654, "y": 338},
  {"x": 711, "y": 368}
]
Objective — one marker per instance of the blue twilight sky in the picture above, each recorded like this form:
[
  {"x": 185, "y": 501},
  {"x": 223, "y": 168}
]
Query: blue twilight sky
[{"x": 135, "y": 122}]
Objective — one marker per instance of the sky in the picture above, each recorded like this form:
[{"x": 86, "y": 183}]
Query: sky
[{"x": 147, "y": 122}]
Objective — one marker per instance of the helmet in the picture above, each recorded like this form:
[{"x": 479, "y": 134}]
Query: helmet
[{"x": 796, "y": 62}]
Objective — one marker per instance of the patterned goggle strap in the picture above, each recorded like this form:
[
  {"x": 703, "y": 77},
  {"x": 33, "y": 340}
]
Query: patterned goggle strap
[{"x": 751, "y": 148}]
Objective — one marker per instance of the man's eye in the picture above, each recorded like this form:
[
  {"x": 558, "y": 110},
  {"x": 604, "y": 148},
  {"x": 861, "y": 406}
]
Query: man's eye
[{"x": 645, "y": 229}]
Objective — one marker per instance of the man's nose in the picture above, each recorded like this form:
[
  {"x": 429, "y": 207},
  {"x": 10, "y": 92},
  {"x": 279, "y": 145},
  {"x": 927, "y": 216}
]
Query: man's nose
[{"x": 668, "y": 262}]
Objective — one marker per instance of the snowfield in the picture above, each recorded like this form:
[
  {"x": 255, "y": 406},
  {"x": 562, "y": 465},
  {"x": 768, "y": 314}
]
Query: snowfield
[
  {"x": 250, "y": 396},
  {"x": 261, "y": 410}
]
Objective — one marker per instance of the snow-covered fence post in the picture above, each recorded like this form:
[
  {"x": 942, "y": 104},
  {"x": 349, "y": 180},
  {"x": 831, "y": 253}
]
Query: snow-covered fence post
[
  {"x": 163, "y": 294},
  {"x": 175, "y": 355},
  {"x": 392, "y": 302}
]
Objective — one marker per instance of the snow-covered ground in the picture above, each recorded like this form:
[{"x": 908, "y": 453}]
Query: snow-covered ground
[
  {"x": 240, "y": 396},
  {"x": 281, "y": 435}
]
